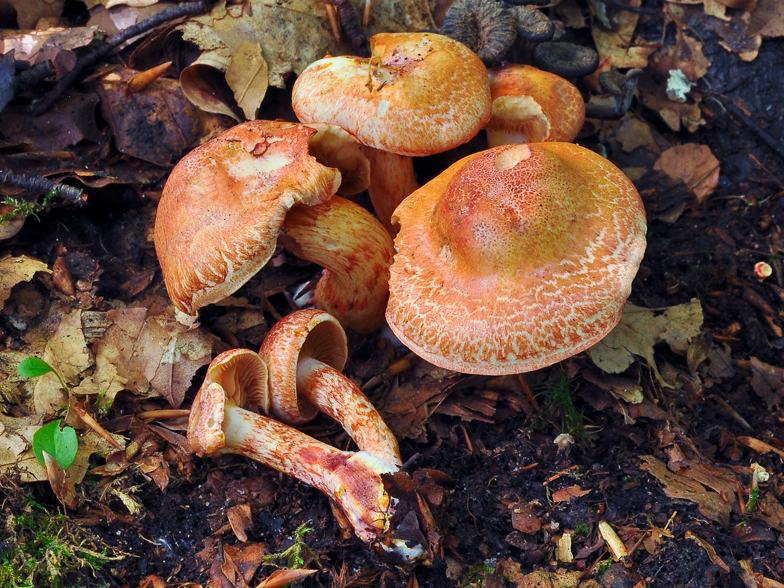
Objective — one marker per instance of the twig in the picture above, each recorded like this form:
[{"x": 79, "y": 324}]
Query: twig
[
  {"x": 735, "y": 111},
  {"x": 41, "y": 185},
  {"x": 103, "y": 49}
]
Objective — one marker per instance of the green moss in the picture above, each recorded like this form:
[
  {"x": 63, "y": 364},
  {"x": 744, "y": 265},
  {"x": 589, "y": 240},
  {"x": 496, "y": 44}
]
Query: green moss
[{"x": 43, "y": 547}]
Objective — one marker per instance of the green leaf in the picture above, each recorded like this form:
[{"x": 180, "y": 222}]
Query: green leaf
[
  {"x": 60, "y": 443},
  {"x": 32, "y": 367}
]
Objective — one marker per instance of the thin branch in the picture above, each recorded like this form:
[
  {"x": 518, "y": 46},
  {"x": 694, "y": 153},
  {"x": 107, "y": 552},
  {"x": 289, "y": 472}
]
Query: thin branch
[
  {"x": 103, "y": 49},
  {"x": 40, "y": 185}
]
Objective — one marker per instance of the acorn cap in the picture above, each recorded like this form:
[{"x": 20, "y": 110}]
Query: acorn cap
[
  {"x": 418, "y": 94},
  {"x": 515, "y": 258}
]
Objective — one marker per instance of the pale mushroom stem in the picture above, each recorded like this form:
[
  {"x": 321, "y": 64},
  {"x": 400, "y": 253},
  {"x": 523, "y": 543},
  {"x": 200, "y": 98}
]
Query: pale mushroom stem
[
  {"x": 352, "y": 480},
  {"x": 392, "y": 179},
  {"x": 356, "y": 252},
  {"x": 334, "y": 394}
]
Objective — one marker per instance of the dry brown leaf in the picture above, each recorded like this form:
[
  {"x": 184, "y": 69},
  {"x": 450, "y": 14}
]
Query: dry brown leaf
[
  {"x": 634, "y": 133},
  {"x": 767, "y": 19},
  {"x": 566, "y": 494},
  {"x": 709, "y": 549},
  {"x": 709, "y": 503},
  {"x": 240, "y": 520},
  {"x": 247, "y": 77},
  {"x": 766, "y": 380},
  {"x": 692, "y": 164},
  {"x": 285, "y": 577},
  {"x": 64, "y": 488},
  {"x": 14, "y": 270},
  {"x": 619, "y": 44},
  {"x": 147, "y": 355},
  {"x": 66, "y": 351},
  {"x": 524, "y": 518},
  {"x": 640, "y": 329}
]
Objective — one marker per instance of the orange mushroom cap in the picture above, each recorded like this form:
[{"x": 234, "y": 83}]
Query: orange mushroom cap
[
  {"x": 418, "y": 93},
  {"x": 531, "y": 105},
  {"x": 515, "y": 258},
  {"x": 224, "y": 204}
]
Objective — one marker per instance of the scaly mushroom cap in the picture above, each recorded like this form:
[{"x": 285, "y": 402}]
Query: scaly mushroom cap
[
  {"x": 305, "y": 333},
  {"x": 306, "y": 351},
  {"x": 515, "y": 258},
  {"x": 533, "y": 105},
  {"x": 241, "y": 378},
  {"x": 418, "y": 93},
  {"x": 224, "y": 204}
]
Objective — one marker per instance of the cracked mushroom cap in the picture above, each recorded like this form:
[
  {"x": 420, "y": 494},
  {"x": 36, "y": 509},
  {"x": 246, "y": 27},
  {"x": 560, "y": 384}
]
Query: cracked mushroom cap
[
  {"x": 515, "y": 258},
  {"x": 531, "y": 105},
  {"x": 224, "y": 204},
  {"x": 418, "y": 94}
]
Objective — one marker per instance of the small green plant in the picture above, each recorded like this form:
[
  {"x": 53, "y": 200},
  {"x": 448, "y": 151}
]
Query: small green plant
[
  {"x": 477, "y": 576},
  {"x": 753, "y": 500},
  {"x": 58, "y": 441},
  {"x": 294, "y": 555},
  {"x": 43, "y": 548},
  {"x": 582, "y": 529},
  {"x": 24, "y": 208},
  {"x": 558, "y": 407}
]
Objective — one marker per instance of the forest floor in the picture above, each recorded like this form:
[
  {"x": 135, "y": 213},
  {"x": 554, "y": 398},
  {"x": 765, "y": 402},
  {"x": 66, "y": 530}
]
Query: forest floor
[{"x": 679, "y": 450}]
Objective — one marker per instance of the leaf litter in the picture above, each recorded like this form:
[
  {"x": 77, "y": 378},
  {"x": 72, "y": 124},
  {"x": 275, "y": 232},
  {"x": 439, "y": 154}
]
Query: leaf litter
[{"x": 699, "y": 344}]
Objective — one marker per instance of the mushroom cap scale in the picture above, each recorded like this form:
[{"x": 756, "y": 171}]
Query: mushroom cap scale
[
  {"x": 515, "y": 258},
  {"x": 412, "y": 81},
  {"x": 224, "y": 204}
]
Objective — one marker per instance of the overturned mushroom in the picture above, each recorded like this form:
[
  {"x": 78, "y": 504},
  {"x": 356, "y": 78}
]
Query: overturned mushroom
[
  {"x": 226, "y": 202},
  {"x": 222, "y": 420},
  {"x": 305, "y": 352}
]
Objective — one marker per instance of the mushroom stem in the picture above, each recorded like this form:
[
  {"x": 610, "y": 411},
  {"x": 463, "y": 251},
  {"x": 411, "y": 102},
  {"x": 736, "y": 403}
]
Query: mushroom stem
[
  {"x": 329, "y": 390},
  {"x": 353, "y": 480},
  {"x": 391, "y": 180},
  {"x": 356, "y": 253}
]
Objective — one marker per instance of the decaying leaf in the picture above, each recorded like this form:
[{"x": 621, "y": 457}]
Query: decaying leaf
[
  {"x": 710, "y": 503},
  {"x": 247, "y": 77},
  {"x": 147, "y": 355},
  {"x": 640, "y": 329},
  {"x": 14, "y": 270},
  {"x": 566, "y": 494},
  {"x": 157, "y": 124},
  {"x": 619, "y": 44},
  {"x": 66, "y": 351},
  {"x": 767, "y": 381}
]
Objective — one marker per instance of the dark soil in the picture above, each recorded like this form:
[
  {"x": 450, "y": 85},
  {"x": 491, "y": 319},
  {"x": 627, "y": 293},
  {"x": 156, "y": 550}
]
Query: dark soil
[{"x": 494, "y": 464}]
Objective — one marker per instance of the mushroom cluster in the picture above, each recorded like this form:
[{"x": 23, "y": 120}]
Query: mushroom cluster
[{"x": 512, "y": 259}]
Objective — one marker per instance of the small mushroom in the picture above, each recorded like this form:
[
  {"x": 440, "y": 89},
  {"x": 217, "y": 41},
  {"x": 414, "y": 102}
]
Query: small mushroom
[
  {"x": 306, "y": 352},
  {"x": 531, "y": 105},
  {"x": 223, "y": 420},
  {"x": 515, "y": 258},
  {"x": 225, "y": 205},
  {"x": 418, "y": 94}
]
